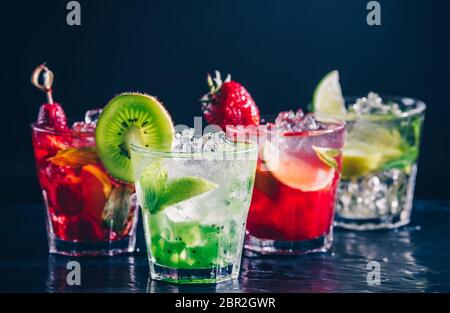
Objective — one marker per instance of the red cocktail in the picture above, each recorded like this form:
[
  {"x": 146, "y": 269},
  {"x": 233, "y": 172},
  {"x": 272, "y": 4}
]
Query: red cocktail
[
  {"x": 296, "y": 179},
  {"x": 88, "y": 212}
]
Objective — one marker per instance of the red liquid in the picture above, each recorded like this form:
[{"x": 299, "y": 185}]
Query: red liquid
[
  {"x": 76, "y": 190},
  {"x": 295, "y": 200},
  {"x": 279, "y": 212}
]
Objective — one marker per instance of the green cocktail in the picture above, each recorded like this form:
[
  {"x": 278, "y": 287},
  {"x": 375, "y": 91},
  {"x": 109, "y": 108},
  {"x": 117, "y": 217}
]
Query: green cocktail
[
  {"x": 195, "y": 207},
  {"x": 379, "y": 158}
]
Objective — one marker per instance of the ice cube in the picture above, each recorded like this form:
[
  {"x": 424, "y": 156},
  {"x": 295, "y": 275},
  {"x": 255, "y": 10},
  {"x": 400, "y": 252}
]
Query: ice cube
[
  {"x": 292, "y": 121},
  {"x": 186, "y": 211},
  {"x": 175, "y": 215},
  {"x": 373, "y": 104},
  {"x": 283, "y": 117},
  {"x": 299, "y": 115},
  {"x": 91, "y": 116},
  {"x": 186, "y": 142},
  {"x": 83, "y": 127},
  {"x": 177, "y": 144},
  {"x": 187, "y": 133},
  {"x": 309, "y": 123},
  {"x": 197, "y": 144}
]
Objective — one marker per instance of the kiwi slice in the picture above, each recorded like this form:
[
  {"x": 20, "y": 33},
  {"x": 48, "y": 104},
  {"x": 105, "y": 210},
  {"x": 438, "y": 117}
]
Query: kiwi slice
[{"x": 127, "y": 118}]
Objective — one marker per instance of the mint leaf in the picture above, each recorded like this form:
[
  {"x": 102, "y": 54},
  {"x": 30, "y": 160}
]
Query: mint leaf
[
  {"x": 117, "y": 208},
  {"x": 152, "y": 184},
  {"x": 404, "y": 161}
]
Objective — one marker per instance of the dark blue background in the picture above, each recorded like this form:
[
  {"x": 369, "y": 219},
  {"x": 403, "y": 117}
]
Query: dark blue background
[{"x": 277, "y": 49}]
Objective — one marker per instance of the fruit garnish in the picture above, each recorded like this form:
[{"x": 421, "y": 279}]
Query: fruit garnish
[
  {"x": 159, "y": 192},
  {"x": 128, "y": 118},
  {"x": 51, "y": 114},
  {"x": 75, "y": 157},
  {"x": 96, "y": 188},
  {"x": 264, "y": 180},
  {"x": 369, "y": 149},
  {"x": 56, "y": 142},
  {"x": 117, "y": 208},
  {"x": 401, "y": 159},
  {"x": 305, "y": 174},
  {"x": 359, "y": 162},
  {"x": 183, "y": 188},
  {"x": 328, "y": 97},
  {"x": 327, "y": 155},
  {"x": 228, "y": 103}
]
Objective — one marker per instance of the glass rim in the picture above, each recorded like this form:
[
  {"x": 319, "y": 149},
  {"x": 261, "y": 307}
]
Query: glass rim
[
  {"x": 68, "y": 132},
  {"x": 250, "y": 146},
  {"x": 416, "y": 107},
  {"x": 339, "y": 124}
]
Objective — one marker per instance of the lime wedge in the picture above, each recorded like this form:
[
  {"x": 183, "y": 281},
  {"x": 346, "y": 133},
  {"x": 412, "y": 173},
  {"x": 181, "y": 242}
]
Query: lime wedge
[
  {"x": 389, "y": 154},
  {"x": 328, "y": 97},
  {"x": 357, "y": 163},
  {"x": 156, "y": 191},
  {"x": 327, "y": 155},
  {"x": 183, "y": 188}
]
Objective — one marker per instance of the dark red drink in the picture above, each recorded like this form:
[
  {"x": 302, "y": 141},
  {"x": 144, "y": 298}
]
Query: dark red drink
[
  {"x": 88, "y": 212},
  {"x": 84, "y": 204}
]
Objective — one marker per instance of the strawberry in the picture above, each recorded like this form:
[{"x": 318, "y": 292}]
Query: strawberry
[
  {"x": 228, "y": 103},
  {"x": 52, "y": 116}
]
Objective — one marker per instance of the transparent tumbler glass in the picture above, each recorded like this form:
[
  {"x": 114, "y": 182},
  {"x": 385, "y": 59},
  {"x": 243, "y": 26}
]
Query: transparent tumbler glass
[{"x": 87, "y": 211}]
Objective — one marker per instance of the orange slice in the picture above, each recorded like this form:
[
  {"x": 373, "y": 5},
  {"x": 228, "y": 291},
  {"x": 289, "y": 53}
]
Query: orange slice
[{"x": 96, "y": 188}]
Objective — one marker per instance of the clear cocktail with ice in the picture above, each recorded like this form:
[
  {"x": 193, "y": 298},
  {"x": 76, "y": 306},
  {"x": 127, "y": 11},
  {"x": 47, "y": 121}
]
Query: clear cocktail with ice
[
  {"x": 195, "y": 201},
  {"x": 379, "y": 162},
  {"x": 380, "y": 155}
]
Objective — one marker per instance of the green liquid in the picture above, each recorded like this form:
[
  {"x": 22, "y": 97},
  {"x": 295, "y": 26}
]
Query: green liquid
[{"x": 191, "y": 245}]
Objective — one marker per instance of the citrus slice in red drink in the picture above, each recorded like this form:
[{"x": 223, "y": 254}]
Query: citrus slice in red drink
[
  {"x": 96, "y": 189},
  {"x": 305, "y": 172}
]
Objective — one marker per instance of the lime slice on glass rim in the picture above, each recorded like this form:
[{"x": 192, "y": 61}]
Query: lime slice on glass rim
[{"x": 327, "y": 98}]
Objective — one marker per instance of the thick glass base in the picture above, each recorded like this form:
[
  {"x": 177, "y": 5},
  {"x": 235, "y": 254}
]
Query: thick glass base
[
  {"x": 377, "y": 201},
  {"x": 193, "y": 276},
  {"x": 68, "y": 248},
  {"x": 387, "y": 222},
  {"x": 256, "y": 246}
]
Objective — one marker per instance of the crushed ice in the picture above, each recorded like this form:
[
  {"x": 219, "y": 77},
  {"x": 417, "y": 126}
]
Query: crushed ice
[
  {"x": 373, "y": 104},
  {"x": 186, "y": 142},
  {"x": 290, "y": 121},
  {"x": 90, "y": 121}
]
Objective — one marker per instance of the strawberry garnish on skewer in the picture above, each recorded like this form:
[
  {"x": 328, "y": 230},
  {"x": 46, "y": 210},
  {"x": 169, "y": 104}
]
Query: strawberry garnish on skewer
[
  {"x": 51, "y": 114},
  {"x": 228, "y": 103}
]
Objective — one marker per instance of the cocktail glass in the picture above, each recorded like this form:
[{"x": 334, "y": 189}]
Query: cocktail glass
[
  {"x": 379, "y": 167},
  {"x": 87, "y": 211},
  {"x": 292, "y": 208},
  {"x": 199, "y": 239}
]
